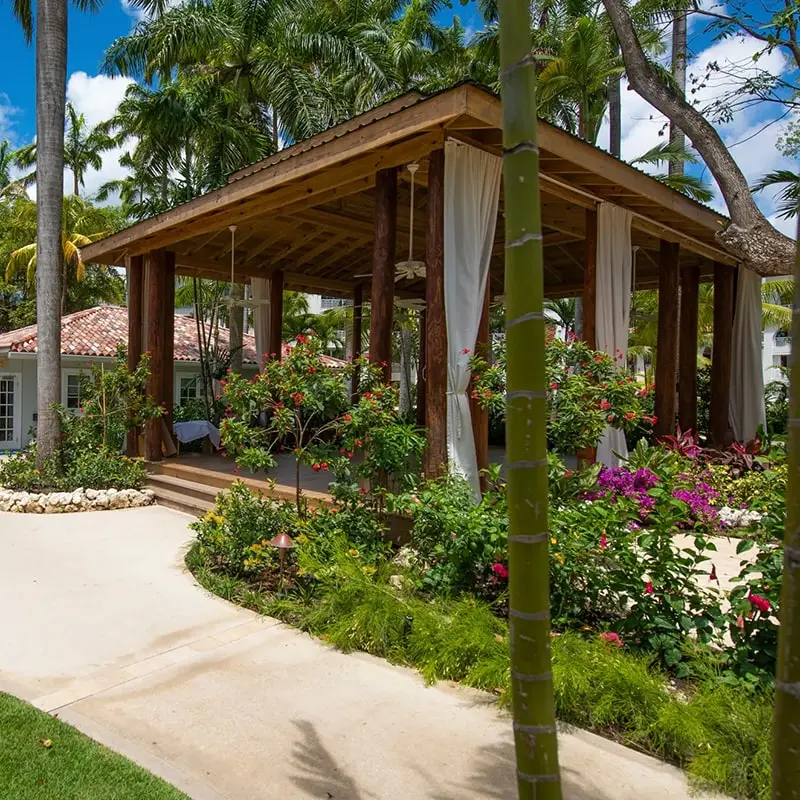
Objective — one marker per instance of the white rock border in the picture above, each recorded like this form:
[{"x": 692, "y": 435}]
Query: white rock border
[{"x": 78, "y": 500}]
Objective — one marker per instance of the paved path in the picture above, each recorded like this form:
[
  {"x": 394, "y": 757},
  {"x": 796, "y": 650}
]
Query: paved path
[{"x": 103, "y": 625}]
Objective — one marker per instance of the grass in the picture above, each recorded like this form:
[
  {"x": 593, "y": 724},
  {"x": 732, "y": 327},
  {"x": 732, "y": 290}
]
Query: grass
[
  {"x": 43, "y": 758},
  {"x": 721, "y": 734}
]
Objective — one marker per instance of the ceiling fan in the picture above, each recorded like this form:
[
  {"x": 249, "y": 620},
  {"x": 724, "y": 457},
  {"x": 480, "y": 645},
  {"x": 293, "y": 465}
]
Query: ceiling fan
[
  {"x": 233, "y": 302},
  {"x": 409, "y": 269}
]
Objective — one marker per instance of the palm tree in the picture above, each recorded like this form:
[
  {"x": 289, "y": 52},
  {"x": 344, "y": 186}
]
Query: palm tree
[
  {"x": 79, "y": 228},
  {"x": 528, "y": 539},
  {"x": 789, "y": 195},
  {"x": 676, "y": 152},
  {"x": 8, "y": 158},
  {"x": 562, "y": 311},
  {"x": 83, "y": 148}
]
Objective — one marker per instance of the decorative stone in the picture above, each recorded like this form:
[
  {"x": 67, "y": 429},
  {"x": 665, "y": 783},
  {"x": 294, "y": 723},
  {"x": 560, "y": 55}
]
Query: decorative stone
[{"x": 77, "y": 500}]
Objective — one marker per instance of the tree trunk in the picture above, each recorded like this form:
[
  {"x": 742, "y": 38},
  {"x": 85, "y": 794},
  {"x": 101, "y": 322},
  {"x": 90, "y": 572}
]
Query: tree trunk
[
  {"x": 615, "y": 115},
  {"x": 749, "y": 235},
  {"x": 76, "y": 183},
  {"x": 51, "y": 88},
  {"x": 676, "y": 136},
  {"x": 406, "y": 348},
  {"x": 528, "y": 539},
  {"x": 786, "y": 741},
  {"x": 236, "y": 328}
]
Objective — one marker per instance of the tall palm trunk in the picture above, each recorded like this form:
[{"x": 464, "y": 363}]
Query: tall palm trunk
[
  {"x": 529, "y": 592},
  {"x": 76, "y": 183},
  {"x": 51, "y": 89},
  {"x": 615, "y": 114},
  {"x": 676, "y": 137},
  {"x": 786, "y": 740}
]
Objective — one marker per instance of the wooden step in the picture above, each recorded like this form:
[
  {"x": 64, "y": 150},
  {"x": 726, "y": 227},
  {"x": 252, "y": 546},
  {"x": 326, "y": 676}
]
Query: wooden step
[
  {"x": 201, "y": 491},
  {"x": 181, "y": 502}
]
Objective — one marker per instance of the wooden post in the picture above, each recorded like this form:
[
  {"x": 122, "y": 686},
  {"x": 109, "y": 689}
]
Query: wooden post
[
  {"x": 383, "y": 254},
  {"x": 479, "y": 414},
  {"x": 135, "y": 325},
  {"x": 358, "y": 317},
  {"x": 687, "y": 349},
  {"x": 155, "y": 342},
  {"x": 275, "y": 338},
  {"x": 667, "y": 342},
  {"x": 722, "y": 353},
  {"x": 436, "y": 326},
  {"x": 168, "y": 388},
  {"x": 590, "y": 280},
  {"x": 422, "y": 370}
]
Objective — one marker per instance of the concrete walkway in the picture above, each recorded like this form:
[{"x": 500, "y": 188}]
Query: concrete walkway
[{"x": 103, "y": 625}]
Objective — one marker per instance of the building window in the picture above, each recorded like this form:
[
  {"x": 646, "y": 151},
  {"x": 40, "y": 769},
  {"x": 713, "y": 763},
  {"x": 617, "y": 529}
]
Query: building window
[
  {"x": 72, "y": 392},
  {"x": 187, "y": 389}
]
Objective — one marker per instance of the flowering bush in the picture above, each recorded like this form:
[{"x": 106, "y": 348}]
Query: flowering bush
[
  {"x": 301, "y": 405},
  {"x": 587, "y": 391}
]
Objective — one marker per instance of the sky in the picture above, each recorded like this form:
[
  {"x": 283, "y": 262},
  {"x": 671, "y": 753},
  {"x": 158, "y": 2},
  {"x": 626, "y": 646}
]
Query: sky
[{"x": 749, "y": 135}]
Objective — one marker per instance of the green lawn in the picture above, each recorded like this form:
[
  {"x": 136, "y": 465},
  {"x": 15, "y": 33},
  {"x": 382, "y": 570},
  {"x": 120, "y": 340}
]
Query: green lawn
[{"x": 42, "y": 757}]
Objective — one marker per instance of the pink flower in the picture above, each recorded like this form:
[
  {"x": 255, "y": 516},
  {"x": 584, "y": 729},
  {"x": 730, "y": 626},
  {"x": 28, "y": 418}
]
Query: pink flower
[
  {"x": 611, "y": 638},
  {"x": 648, "y": 588},
  {"x": 604, "y": 542},
  {"x": 236, "y": 470},
  {"x": 553, "y": 386},
  {"x": 759, "y": 602},
  {"x": 500, "y": 570},
  {"x": 604, "y": 405},
  {"x": 465, "y": 351}
]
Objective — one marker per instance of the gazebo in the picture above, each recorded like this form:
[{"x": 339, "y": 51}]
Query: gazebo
[{"x": 332, "y": 215}]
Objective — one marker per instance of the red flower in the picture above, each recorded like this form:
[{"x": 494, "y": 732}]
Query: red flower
[
  {"x": 325, "y": 466},
  {"x": 653, "y": 419},
  {"x": 362, "y": 490},
  {"x": 358, "y": 442},
  {"x": 465, "y": 351},
  {"x": 297, "y": 397},
  {"x": 236, "y": 470},
  {"x": 553, "y": 386},
  {"x": 384, "y": 363},
  {"x": 629, "y": 415},
  {"x": 278, "y": 405},
  {"x": 648, "y": 588},
  {"x": 598, "y": 357},
  {"x": 611, "y": 638},
  {"x": 349, "y": 454},
  {"x": 604, "y": 405},
  {"x": 315, "y": 467},
  {"x": 603, "y": 541},
  {"x": 367, "y": 395},
  {"x": 300, "y": 338},
  {"x": 500, "y": 570},
  {"x": 713, "y": 575},
  {"x": 347, "y": 418},
  {"x": 568, "y": 473},
  {"x": 761, "y": 603}
]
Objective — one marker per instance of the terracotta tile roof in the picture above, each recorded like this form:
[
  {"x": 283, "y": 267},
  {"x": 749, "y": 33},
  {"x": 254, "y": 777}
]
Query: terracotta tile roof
[{"x": 97, "y": 332}]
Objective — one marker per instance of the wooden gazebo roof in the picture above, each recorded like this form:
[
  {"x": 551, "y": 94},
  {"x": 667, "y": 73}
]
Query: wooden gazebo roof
[{"x": 308, "y": 210}]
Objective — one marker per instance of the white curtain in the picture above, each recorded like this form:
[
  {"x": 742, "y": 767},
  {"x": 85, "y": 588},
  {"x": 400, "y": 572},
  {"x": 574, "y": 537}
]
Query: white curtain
[
  {"x": 614, "y": 259},
  {"x": 747, "y": 410},
  {"x": 471, "y": 196},
  {"x": 261, "y": 314}
]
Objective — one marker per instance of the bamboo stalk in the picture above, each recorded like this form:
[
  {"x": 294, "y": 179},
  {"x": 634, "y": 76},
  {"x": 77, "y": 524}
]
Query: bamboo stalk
[
  {"x": 786, "y": 741},
  {"x": 538, "y": 775}
]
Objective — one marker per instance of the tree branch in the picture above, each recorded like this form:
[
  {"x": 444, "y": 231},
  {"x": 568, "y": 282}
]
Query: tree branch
[{"x": 749, "y": 236}]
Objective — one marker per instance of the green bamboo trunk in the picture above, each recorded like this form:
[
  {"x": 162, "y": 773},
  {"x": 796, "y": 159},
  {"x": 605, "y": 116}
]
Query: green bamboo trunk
[
  {"x": 786, "y": 745},
  {"x": 529, "y": 605}
]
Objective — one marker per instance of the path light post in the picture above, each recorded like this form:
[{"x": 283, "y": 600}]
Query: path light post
[{"x": 282, "y": 542}]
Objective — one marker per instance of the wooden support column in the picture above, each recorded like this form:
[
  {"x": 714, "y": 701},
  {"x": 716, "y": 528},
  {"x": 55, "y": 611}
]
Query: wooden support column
[
  {"x": 135, "y": 325},
  {"x": 383, "y": 255},
  {"x": 275, "y": 337},
  {"x": 155, "y": 343},
  {"x": 479, "y": 414},
  {"x": 436, "y": 326},
  {"x": 168, "y": 388},
  {"x": 358, "y": 317},
  {"x": 724, "y": 279},
  {"x": 589, "y": 334},
  {"x": 422, "y": 370},
  {"x": 687, "y": 349},
  {"x": 667, "y": 342}
]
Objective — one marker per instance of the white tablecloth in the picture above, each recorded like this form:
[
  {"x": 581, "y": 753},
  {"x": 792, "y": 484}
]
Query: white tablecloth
[{"x": 196, "y": 429}]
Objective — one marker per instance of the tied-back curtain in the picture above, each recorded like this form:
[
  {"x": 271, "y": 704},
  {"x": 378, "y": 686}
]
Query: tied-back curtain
[
  {"x": 261, "y": 314},
  {"x": 747, "y": 410},
  {"x": 471, "y": 196},
  {"x": 614, "y": 260}
]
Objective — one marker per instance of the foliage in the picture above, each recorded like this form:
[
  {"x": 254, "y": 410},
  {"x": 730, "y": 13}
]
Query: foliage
[
  {"x": 456, "y": 540},
  {"x": 44, "y": 757},
  {"x": 588, "y": 391},
  {"x": 307, "y": 409}
]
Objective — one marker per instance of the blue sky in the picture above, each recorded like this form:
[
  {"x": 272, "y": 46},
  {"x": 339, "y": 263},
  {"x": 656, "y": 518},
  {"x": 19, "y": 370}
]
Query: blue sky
[{"x": 97, "y": 96}]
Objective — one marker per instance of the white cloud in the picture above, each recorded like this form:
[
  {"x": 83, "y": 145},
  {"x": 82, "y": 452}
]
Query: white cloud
[
  {"x": 97, "y": 98},
  {"x": 753, "y": 143},
  {"x": 7, "y": 114}
]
